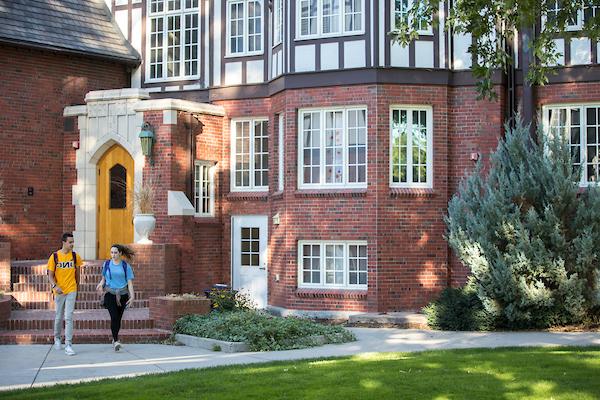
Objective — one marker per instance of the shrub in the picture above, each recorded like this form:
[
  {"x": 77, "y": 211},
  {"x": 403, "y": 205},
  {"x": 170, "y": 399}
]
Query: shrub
[
  {"x": 458, "y": 309},
  {"x": 230, "y": 300},
  {"x": 261, "y": 331},
  {"x": 528, "y": 235}
]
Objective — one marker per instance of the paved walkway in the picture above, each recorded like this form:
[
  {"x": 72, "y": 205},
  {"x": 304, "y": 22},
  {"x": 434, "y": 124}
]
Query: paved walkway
[{"x": 39, "y": 365}]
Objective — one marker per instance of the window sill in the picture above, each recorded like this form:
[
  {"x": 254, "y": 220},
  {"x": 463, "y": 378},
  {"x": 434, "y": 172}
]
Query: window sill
[
  {"x": 277, "y": 195},
  {"x": 320, "y": 36},
  {"x": 244, "y": 196},
  {"x": 331, "y": 193},
  {"x": 331, "y": 293},
  {"x": 412, "y": 192}
]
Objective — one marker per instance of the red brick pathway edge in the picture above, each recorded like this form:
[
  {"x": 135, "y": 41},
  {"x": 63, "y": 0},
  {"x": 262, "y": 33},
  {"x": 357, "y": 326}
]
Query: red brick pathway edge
[{"x": 165, "y": 310}]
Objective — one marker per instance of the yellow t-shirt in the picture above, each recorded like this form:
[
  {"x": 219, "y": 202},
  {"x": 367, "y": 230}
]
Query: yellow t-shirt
[{"x": 64, "y": 272}]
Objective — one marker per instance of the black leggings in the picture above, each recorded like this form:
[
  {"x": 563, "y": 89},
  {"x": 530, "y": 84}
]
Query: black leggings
[{"x": 115, "y": 311}]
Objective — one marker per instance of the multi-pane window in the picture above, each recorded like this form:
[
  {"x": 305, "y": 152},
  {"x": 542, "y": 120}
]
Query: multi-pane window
[
  {"x": 277, "y": 22},
  {"x": 400, "y": 15},
  {"x": 333, "y": 148},
  {"x": 332, "y": 264},
  {"x": 250, "y": 253},
  {"x": 204, "y": 191},
  {"x": 411, "y": 145},
  {"x": 580, "y": 124},
  {"x": 250, "y": 155},
  {"x": 244, "y": 27},
  {"x": 173, "y": 39},
  {"x": 329, "y": 17},
  {"x": 555, "y": 7}
]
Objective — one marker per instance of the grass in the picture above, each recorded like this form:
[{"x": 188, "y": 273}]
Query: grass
[{"x": 474, "y": 374}]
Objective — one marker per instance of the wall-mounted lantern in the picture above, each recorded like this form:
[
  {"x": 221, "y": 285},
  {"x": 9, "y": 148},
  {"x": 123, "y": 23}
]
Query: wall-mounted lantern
[{"x": 147, "y": 139}]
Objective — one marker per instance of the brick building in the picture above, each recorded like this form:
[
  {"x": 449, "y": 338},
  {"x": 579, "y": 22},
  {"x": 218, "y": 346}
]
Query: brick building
[{"x": 299, "y": 154}]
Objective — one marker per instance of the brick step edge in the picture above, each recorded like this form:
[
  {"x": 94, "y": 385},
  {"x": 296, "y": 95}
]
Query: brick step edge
[
  {"x": 134, "y": 324},
  {"x": 85, "y": 336},
  {"x": 79, "y": 305}
]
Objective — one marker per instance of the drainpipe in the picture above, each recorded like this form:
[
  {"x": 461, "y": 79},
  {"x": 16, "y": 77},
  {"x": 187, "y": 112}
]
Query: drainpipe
[{"x": 528, "y": 98}]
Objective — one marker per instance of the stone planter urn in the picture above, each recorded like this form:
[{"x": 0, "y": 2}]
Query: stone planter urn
[
  {"x": 5, "y": 304},
  {"x": 165, "y": 310},
  {"x": 144, "y": 225}
]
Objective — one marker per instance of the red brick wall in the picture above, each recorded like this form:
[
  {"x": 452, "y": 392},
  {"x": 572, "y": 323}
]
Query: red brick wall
[
  {"x": 568, "y": 93},
  {"x": 474, "y": 127},
  {"x": 157, "y": 269},
  {"x": 408, "y": 257},
  {"x": 35, "y": 151},
  {"x": 5, "y": 266},
  {"x": 166, "y": 310}
]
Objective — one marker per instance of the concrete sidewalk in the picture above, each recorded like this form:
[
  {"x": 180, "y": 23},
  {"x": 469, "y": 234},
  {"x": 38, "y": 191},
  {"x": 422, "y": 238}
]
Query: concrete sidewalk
[{"x": 38, "y": 365}]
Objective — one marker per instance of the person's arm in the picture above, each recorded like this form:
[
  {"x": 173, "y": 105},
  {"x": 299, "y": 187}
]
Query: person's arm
[
  {"x": 52, "y": 279},
  {"x": 131, "y": 293},
  {"x": 101, "y": 284}
]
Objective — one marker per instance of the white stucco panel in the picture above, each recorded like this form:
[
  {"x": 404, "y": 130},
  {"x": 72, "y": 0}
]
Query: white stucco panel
[
  {"x": 255, "y": 71},
  {"x": 581, "y": 51},
  {"x": 461, "y": 56},
  {"x": 305, "y": 58},
  {"x": 233, "y": 73},
  {"x": 399, "y": 55},
  {"x": 423, "y": 54},
  {"x": 354, "y": 54},
  {"x": 330, "y": 56}
]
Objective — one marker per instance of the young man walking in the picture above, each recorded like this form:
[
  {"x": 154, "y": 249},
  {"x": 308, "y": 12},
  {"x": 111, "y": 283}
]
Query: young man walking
[{"x": 63, "y": 272}]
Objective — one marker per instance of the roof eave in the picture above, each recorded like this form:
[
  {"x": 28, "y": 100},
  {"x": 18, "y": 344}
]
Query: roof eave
[{"x": 132, "y": 62}]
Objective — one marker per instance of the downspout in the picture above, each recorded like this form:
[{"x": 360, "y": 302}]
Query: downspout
[{"x": 528, "y": 99}]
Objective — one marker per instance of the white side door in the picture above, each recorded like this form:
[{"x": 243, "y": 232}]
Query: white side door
[{"x": 249, "y": 257}]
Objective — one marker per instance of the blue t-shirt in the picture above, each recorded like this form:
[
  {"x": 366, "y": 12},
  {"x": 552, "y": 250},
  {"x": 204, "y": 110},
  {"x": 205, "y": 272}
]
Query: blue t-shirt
[{"x": 116, "y": 278}]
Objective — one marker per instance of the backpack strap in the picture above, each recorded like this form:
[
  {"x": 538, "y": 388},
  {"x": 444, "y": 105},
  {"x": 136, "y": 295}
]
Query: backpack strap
[
  {"x": 55, "y": 256},
  {"x": 106, "y": 268},
  {"x": 124, "y": 269},
  {"x": 74, "y": 259}
]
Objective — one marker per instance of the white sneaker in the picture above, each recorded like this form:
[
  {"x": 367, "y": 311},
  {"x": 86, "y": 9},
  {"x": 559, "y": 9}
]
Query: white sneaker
[
  {"x": 117, "y": 345},
  {"x": 57, "y": 344},
  {"x": 69, "y": 350}
]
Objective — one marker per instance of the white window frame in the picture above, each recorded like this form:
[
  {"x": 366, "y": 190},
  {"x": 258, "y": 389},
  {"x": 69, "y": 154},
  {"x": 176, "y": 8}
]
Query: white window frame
[
  {"x": 252, "y": 187},
  {"x": 277, "y": 22},
  {"x": 422, "y": 32},
  {"x": 182, "y": 13},
  {"x": 322, "y": 285},
  {"x": 198, "y": 182},
  {"x": 429, "y": 118},
  {"x": 342, "y": 22},
  {"x": 245, "y": 53},
  {"x": 569, "y": 28},
  {"x": 583, "y": 180},
  {"x": 322, "y": 177},
  {"x": 281, "y": 150}
]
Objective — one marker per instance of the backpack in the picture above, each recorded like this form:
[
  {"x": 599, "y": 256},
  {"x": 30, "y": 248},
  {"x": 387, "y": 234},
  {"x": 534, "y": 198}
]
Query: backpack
[
  {"x": 55, "y": 256},
  {"x": 106, "y": 268}
]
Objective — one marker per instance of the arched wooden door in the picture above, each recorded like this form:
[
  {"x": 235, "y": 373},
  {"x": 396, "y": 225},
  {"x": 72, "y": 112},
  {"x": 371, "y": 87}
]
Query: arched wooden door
[{"x": 115, "y": 203}]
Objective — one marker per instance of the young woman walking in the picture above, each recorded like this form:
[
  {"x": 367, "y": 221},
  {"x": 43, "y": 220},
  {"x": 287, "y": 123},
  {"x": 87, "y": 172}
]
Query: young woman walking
[{"x": 117, "y": 285}]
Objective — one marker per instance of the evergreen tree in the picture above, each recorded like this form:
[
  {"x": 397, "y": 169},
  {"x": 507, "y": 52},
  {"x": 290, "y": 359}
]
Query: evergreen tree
[{"x": 529, "y": 235}]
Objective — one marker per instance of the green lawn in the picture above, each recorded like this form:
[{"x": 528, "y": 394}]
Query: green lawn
[{"x": 528, "y": 373}]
